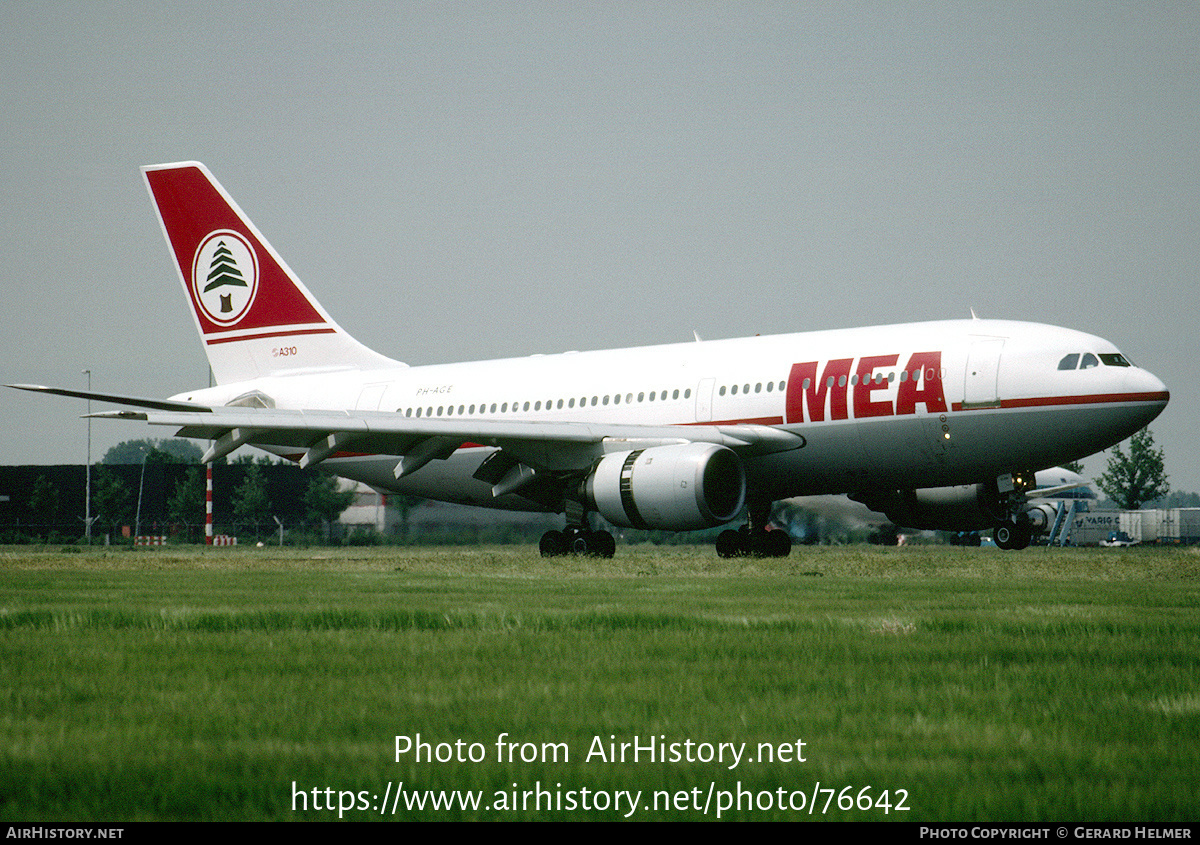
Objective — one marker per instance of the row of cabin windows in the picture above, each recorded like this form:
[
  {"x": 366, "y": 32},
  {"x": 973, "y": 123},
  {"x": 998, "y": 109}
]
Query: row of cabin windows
[
  {"x": 549, "y": 404},
  {"x": 879, "y": 378},
  {"x": 758, "y": 388},
  {"x": 660, "y": 396}
]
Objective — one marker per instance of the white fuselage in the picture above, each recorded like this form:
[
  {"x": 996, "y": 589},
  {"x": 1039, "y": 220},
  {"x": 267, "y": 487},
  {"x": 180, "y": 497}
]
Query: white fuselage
[{"x": 902, "y": 406}]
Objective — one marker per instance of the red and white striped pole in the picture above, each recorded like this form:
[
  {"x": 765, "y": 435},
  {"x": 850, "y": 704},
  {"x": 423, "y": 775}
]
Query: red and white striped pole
[{"x": 208, "y": 537}]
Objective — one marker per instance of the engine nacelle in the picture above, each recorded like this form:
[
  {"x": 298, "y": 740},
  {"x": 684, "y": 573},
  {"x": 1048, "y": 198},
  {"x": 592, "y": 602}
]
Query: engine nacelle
[
  {"x": 1041, "y": 517},
  {"x": 674, "y": 488},
  {"x": 967, "y": 507}
]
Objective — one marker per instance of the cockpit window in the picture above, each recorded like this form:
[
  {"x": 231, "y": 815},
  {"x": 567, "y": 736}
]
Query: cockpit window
[{"x": 1109, "y": 359}]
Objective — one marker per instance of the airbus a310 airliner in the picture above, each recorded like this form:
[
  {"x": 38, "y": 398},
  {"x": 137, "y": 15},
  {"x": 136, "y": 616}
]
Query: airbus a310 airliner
[{"x": 937, "y": 424}]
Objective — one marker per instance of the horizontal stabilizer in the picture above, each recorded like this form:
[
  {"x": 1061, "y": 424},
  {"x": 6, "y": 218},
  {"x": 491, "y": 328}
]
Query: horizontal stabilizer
[{"x": 116, "y": 399}]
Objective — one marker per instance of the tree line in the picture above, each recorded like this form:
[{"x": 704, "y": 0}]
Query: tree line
[{"x": 150, "y": 487}]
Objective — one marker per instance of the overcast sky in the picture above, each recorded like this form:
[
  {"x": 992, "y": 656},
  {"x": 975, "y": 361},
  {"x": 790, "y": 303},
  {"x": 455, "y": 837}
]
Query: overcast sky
[{"x": 471, "y": 180}]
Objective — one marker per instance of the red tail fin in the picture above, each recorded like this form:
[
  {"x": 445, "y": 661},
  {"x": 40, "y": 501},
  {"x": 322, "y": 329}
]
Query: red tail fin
[{"x": 254, "y": 316}]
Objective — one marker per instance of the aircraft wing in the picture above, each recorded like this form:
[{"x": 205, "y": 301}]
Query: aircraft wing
[
  {"x": 543, "y": 446},
  {"x": 1052, "y": 492}
]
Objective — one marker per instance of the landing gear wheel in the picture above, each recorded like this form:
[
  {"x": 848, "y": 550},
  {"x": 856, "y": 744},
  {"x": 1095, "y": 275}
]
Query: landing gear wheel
[
  {"x": 1002, "y": 535},
  {"x": 577, "y": 540},
  {"x": 769, "y": 543},
  {"x": 553, "y": 544},
  {"x": 729, "y": 543},
  {"x": 778, "y": 544},
  {"x": 602, "y": 544},
  {"x": 1012, "y": 536},
  {"x": 747, "y": 543}
]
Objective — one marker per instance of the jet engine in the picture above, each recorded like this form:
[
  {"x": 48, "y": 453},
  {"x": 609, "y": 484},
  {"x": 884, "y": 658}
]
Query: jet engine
[
  {"x": 674, "y": 488},
  {"x": 967, "y": 507},
  {"x": 1041, "y": 516}
]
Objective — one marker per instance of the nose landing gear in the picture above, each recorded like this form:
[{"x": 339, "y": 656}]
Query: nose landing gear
[{"x": 1013, "y": 535}]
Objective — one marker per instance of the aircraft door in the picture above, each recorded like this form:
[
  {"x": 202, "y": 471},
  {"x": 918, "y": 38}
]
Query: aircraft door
[
  {"x": 704, "y": 392},
  {"x": 981, "y": 388},
  {"x": 370, "y": 397}
]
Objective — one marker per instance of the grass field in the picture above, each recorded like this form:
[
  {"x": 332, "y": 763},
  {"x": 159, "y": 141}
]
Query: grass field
[{"x": 268, "y": 684}]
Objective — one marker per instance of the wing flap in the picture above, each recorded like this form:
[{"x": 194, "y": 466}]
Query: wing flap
[{"x": 546, "y": 446}]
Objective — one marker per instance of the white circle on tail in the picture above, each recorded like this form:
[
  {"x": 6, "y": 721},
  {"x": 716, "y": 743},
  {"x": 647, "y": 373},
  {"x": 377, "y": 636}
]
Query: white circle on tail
[{"x": 225, "y": 277}]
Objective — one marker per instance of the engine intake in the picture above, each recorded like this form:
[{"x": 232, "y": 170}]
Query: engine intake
[{"x": 674, "y": 488}]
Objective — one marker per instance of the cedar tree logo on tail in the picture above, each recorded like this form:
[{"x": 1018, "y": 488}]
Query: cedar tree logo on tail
[{"x": 225, "y": 277}]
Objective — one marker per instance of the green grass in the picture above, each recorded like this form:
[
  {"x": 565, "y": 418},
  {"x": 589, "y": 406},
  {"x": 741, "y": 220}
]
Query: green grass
[{"x": 191, "y": 684}]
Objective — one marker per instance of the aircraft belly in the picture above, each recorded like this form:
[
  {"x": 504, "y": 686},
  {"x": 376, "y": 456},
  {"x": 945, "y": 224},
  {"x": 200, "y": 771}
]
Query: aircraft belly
[
  {"x": 832, "y": 460},
  {"x": 1036, "y": 438},
  {"x": 958, "y": 447}
]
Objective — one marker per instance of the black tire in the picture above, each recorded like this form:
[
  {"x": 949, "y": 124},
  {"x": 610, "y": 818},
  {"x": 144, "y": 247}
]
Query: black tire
[
  {"x": 1011, "y": 537},
  {"x": 553, "y": 544},
  {"x": 779, "y": 544},
  {"x": 578, "y": 541},
  {"x": 1003, "y": 535},
  {"x": 602, "y": 544},
  {"x": 729, "y": 543}
]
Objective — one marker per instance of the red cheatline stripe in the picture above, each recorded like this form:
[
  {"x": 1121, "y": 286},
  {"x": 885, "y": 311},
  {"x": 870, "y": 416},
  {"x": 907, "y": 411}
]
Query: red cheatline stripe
[
  {"x": 1090, "y": 399},
  {"x": 284, "y": 333},
  {"x": 756, "y": 421}
]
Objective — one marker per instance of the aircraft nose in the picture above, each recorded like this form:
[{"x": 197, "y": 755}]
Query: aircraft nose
[
  {"x": 1148, "y": 392},
  {"x": 1154, "y": 387}
]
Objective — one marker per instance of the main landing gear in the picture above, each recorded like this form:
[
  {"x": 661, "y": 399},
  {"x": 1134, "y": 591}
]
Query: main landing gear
[
  {"x": 577, "y": 540},
  {"x": 754, "y": 539},
  {"x": 745, "y": 542}
]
